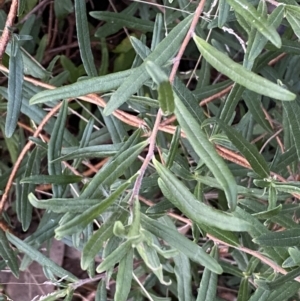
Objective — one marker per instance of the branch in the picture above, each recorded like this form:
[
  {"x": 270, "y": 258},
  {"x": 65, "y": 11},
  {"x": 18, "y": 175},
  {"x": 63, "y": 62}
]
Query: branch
[
  {"x": 152, "y": 138},
  {"x": 9, "y": 23}
]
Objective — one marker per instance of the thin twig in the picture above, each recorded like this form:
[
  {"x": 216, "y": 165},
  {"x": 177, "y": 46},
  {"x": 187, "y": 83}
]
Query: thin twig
[
  {"x": 23, "y": 153},
  {"x": 7, "y": 28},
  {"x": 269, "y": 139},
  {"x": 152, "y": 138}
]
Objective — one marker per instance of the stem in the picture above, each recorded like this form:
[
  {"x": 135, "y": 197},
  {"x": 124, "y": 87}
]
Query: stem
[
  {"x": 9, "y": 23},
  {"x": 152, "y": 138}
]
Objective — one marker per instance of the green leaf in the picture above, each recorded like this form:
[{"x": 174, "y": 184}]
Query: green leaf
[
  {"x": 135, "y": 226},
  {"x": 292, "y": 188},
  {"x": 243, "y": 294},
  {"x": 248, "y": 150},
  {"x": 253, "y": 102},
  {"x": 285, "y": 292},
  {"x": 173, "y": 147},
  {"x": 94, "y": 151},
  {"x": 224, "y": 9},
  {"x": 44, "y": 179},
  {"x": 295, "y": 255},
  {"x": 225, "y": 236},
  {"x": 54, "y": 147},
  {"x": 24, "y": 208},
  {"x": 292, "y": 111},
  {"x": 111, "y": 28},
  {"x": 8, "y": 255},
  {"x": 124, "y": 20},
  {"x": 269, "y": 213},
  {"x": 40, "y": 258},
  {"x": 280, "y": 281},
  {"x": 54, "y": 295},
  {"x": 62, "y": 8},
  {"x": 200, "y": 213},
  {"x": 114, "y": 168},
  {"x": 151, "y": 259},
  {"x": 293, "y": 17},
  {"x": 115, "y": 256},
  {"x": 31, "y": 66},
  {"x": 95, "y": 243},
  {"x": 287, "y": 238},
  {"x": 63, "y": 205},
  {"x": 181, "y": 243},
  {"x": 78, "y": 223},
  {"x": 208, "y": 285},
  {"x": 101, "y": 293},
  {"x": 165, "y": 91},
  {"x": 183, "y": 275},
  {"x": 256, "y": 20},
  {"x": 124, "y": 277},
  {"x": 257, "y": 41},
  {"x": 239, "y": 74},
  {"x": 15, "y": 84},
  {"x": 157, "y": 31},
  {"x": 207, "y": 152},
  {"x": 164, "y": 51},
  {"x": 83, "y": 87},
  {"x": 84, "y": 38}
]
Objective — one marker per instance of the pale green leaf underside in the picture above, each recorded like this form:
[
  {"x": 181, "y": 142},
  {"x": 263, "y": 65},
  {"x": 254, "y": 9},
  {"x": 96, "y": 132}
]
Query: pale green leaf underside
[{"x": 239, "y": 74}]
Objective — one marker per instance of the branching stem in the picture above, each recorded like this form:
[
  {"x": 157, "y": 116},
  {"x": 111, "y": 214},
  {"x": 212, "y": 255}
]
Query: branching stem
[{"x": 152, "y": 138}]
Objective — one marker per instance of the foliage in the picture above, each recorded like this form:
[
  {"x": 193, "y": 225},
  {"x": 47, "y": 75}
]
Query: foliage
[{"x": 215, "y": 207}]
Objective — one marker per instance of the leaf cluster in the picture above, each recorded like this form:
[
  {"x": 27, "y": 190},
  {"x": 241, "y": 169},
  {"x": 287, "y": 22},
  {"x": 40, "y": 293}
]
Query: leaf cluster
[{"x": 224, "y": 174}]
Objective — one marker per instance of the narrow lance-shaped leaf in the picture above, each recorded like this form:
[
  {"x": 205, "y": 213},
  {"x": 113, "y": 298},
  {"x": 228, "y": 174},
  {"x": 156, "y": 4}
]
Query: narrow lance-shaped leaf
[
  {"x": 183, "y": 274},
  {"x": 293, "y": 17},
  {"x": 63, "y": 205},
  {"x": 287, "y": 238},
  {"x": 225, "y": 236},
  {"x": 101, "y": 293},
  {"x": 178, "y": 194},
  {"x": 244, "y": 289},
  {"x": 15, "y": 85},
  {"x": 241, "y": 75},
  {"x": 95, "y": 243},
  {"x": 78, "y": 223},
  {"x": 8, "y": 255},
  {"x": 84, "y": 38},
  {"x": 124, "y": 277},
  {"x": 115, "y": 256},
  {"x": 151, "y": 259},
  {"x": 281, "y": 280},
  {"x": 108, "y": 29},
  {"x": 256, "y": 40},
  {"x": 253, "y": 102},
  {"x": 206, "y": 151},
  {"x": 165, "y": 91},
  {"x": 173, "y": 147},
  {"x": 113, "y": 169},
  {"x": 24, "y": 208},
  {"x": 181, "y": 243},
  {"x": 45, "y": 179},
  {"x": 250, "y": 14},
  {"x": 292, "y": 111},
  {"x": 224, "y": 9},
  {"x": 55, "y": 145},
  {"x": 157, "y": 31},
  {"x": 83, "y": 87},
  {"x": 248, "y": 150},
  {"x": 124, "y": 20},
  {"x": 40, "y": 258},
  {"x": 163, "y": 52},
  {"x": 208, "y": 285}
]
